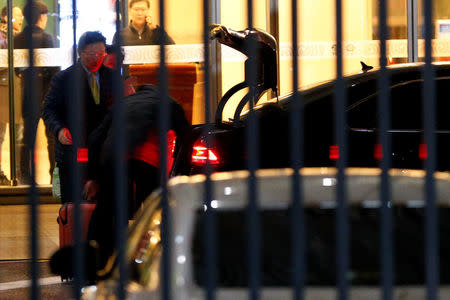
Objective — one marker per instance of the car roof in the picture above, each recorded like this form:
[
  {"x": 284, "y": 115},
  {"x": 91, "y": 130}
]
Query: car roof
[{"x": 397, "y": 73}]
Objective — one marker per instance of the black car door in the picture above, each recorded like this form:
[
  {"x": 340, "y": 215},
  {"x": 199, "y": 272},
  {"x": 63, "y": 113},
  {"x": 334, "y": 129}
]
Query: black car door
[{"x": 406, "y": 127}]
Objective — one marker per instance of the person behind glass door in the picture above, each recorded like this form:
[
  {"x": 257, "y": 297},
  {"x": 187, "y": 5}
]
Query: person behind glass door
[
  {"x": 36, "y": 17},
  {"x": 141, "y": 30},
  {"x": 94, "y": 96},
  {"x": 17, "y": 21},
  {"x": 112, "y": 62}
]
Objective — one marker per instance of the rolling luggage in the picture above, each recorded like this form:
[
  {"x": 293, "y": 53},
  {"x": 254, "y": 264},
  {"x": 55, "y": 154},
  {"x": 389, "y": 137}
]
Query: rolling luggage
[{"x": 66, "y": 219}]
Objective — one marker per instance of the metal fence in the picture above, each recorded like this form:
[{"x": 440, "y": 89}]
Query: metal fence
[{"x": 297, "y": 134}]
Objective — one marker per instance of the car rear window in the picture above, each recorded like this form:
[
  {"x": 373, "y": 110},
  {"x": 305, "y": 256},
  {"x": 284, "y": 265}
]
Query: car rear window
[{"x": 275, "y": 249}]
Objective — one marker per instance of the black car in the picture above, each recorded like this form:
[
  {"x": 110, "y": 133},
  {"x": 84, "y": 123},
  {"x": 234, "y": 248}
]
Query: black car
[{"x": 227, "y": 148}]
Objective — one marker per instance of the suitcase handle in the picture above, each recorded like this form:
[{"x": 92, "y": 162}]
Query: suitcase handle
[{"x": 62, "y": 221}]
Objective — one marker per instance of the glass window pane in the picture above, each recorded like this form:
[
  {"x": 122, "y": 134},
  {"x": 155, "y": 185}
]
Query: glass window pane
[
  {"x": 47, "y": 62},
  {"x": 4, "y": 129},
  {"x": 317, "y": 60},
  {"x": 440, "y": 30}
]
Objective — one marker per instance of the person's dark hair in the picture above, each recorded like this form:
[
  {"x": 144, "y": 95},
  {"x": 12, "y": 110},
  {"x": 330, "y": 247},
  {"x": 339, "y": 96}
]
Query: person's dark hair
[
  {"x": 132, "y": 2},
  {"x": 112, "y": 49},
  {"x": 90, "y": 37},
  {"x": 111, "y": 58},
  {"x": 4, "y": 12},
  {"x": 34, "y": 11}
]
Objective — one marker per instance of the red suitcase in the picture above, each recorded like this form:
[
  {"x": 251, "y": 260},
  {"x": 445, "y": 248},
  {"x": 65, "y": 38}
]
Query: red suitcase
[{"x": 66, "y": 219}]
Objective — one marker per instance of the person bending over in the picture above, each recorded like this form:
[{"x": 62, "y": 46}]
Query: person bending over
[{"x": 143, "y": 159}]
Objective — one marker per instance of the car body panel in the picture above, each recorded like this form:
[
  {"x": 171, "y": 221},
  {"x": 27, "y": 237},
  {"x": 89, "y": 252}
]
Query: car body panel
[{"x": 230, "y": 193}]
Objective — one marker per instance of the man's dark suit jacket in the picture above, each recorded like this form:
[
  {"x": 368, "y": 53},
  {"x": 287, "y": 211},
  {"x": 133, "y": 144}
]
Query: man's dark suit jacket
[{"x": 68, "y": 88}]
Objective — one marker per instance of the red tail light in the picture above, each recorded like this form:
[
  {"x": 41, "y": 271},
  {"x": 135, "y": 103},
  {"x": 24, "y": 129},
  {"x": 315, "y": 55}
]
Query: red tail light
[
  {"x": 423, "y": 153},
  {"x": 334, "y": 152},
  {"x": 82, "y": 155},
  {"x": 378, "y": 152},
  {"x": 201, "y": 154}
]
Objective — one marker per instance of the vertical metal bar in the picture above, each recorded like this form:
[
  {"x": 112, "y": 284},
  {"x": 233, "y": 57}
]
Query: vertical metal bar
[
  {"x": 413, "y": 36},
  {"x": 272, "y": 20},
  {"x": 342, "y": 228},
  {"x": 209, "y": 230},
  {"x": 297, "y": 143},
  {"x": 124, "y": 13},
  {"x": 75, "y": 125},
  {"x": 11, "y": 96},
  {"x": 252, "y": 132},
  {"x": 215, "y": 74},
  {"x": 56, "y": 21},
  {"x": 30, "y": 140},
  {"x": 384, "y": 112},
  {"x": 162, "y": 133},
  {"x": 431, "y": 215},
  {"x": 120, "y": 167},
  {"x": 254, "y": 240}
]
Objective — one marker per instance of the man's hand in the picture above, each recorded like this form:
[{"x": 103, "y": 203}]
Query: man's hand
[
  {"x": 90, "y": 189},
  {"x": 64, "y": 136},
  {"x": 149, "y": 21}
]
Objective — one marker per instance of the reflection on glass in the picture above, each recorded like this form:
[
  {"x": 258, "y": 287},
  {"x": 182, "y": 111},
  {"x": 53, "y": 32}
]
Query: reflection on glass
[
  {"x": 397, "y": 22},
  {"x": 17, "y": 21},
  {"x": 33, "y": 97},
  {"x": 147, "y": 253},
  {"x": 317, "y": 44},
  {"x": 141, "y": 29},
  {"x": 440, "y": 30}
]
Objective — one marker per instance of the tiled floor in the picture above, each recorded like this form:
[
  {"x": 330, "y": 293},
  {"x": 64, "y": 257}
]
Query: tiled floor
[
  {"x": 14, "y": 253},
  {"x": 15, "y": 231}
]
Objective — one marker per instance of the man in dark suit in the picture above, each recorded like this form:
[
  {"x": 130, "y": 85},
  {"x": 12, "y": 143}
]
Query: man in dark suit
[
  {"x": 86, "y": 86},
  {"x": 32, "y": 103}
]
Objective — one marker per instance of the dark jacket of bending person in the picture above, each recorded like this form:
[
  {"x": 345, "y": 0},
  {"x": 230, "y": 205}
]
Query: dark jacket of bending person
[{"x": 143, "y": 160}]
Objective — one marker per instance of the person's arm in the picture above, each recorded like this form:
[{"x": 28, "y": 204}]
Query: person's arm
[
  {"x": 49, "y": 42},
  {"x": 159, "y": 32},
  {"x": 180, "y": 124},
  {"x": 169, "y": 40},
  {"x": 53, "y": 106},
  {"x": 95, "y": 144}
]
